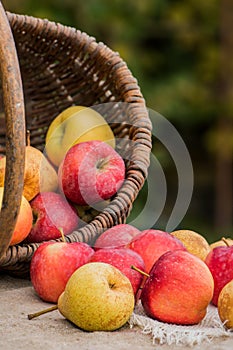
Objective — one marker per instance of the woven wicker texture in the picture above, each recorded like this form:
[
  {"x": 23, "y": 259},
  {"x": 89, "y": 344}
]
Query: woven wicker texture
[{"x": 61, "y": 66}]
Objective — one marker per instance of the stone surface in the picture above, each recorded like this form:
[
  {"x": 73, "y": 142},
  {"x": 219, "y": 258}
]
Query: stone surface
[{"x": 51, "y": 331}]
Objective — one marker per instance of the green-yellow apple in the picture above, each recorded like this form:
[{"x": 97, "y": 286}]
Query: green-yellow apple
[
  {"x": 24, "y": 220},
  {"x": 97, "y": 297},
  {"x": 74, "y": 125}
]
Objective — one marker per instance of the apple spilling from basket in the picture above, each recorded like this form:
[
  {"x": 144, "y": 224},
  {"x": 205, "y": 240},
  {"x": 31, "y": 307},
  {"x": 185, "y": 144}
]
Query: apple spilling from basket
[
  {"x": 79, "y": 167},
  {"x": 175, "y": 276}
]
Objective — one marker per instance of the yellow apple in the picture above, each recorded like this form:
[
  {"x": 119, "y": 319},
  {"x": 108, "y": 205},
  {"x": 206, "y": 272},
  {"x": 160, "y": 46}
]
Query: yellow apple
[
  {"x": 74, "y": 125},
  {"x": 24, "y": 221},
  {"x": 194, "y": 242},
  {"x": 222, "y": 243}
]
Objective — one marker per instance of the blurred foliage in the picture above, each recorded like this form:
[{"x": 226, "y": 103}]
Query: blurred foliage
[{"x": 174, "y": 49}]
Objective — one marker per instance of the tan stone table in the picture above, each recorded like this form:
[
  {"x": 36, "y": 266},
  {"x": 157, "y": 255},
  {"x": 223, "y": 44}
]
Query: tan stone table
[{"x": 52, "y": 331}]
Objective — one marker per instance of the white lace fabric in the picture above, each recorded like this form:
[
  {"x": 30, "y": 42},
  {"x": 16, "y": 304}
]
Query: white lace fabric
[{"x": 208, "y": 329}]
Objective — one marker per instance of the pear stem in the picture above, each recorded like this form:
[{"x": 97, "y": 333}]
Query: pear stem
[
  {"x": 139, "y": 270},
  {"x": 39, "y": 313},
  {"x": 225, "y": 241},
  {"x": 28, "y": 138}
]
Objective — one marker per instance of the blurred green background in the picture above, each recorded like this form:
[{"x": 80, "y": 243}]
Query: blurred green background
[{"x": 181, "y": 53}]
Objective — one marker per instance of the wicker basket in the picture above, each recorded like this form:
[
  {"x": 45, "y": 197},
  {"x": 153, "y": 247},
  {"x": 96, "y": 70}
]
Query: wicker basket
[{"x": 45, "y": 68}]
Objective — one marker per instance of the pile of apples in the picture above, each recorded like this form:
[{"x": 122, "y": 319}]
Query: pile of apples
[
  {"x": 79, "y": 167},
  {"x": 175, "y": 276}
]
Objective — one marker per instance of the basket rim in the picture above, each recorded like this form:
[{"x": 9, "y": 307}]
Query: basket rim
[{"x": 122, "y": 203}]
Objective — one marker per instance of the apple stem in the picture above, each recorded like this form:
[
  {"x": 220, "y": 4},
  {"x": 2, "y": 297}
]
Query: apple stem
[
  {"x": 225, "y": 241},
  {"x": 139, "y": 270},
  {"x": 39, "y": 313},
  {"x": 28, "y": 138},
  {"x": 62, "y": 234}
]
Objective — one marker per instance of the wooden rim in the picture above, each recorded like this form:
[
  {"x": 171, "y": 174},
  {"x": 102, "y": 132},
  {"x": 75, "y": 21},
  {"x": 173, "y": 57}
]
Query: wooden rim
[{"x": 15, "y": 132}]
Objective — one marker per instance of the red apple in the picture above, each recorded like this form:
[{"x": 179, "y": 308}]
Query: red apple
[
  {"x": 179, "y": 289},
  {"x": 51, "y": 213},
  {"x": 52, "y": 265},
  {"x": 91, "y": 172},
  {"x": 151, "y": 244},
  {"x": 122, "y": 259},
  {"x": 116, "y": 237},
  {"x": 24, "y": 220},
  {"x": 220, "y": 262}
]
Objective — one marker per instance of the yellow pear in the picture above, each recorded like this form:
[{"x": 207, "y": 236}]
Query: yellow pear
[
  {"x": 39, "y": 174},
  {"x": 97, "y": 297},
  {"x": 194, "y": 242},
  {"x": 74, "y": 125},
  {"x": 222, "y": 243},
  {"x": 225, "y": 305}
]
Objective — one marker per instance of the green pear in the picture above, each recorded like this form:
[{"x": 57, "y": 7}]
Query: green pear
[{"x": 97, "y": 297}]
